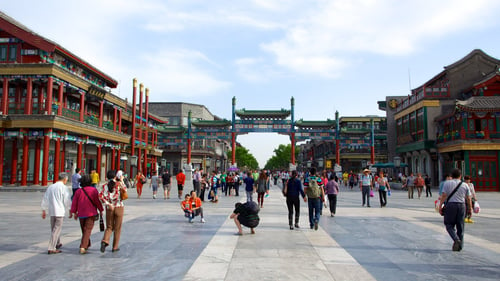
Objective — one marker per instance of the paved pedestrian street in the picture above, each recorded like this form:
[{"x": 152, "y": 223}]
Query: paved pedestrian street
[{"x": 404, "y": 241}]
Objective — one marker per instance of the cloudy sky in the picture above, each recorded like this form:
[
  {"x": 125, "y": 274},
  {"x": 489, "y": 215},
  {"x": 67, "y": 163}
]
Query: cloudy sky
[{"x": 329, "y": 55}]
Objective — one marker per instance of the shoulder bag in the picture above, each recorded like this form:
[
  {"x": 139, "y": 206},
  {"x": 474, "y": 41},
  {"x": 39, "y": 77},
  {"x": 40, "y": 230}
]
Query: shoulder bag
[
  {"x": 448, "y": 198},
  {"x": 101, "y": 221}
]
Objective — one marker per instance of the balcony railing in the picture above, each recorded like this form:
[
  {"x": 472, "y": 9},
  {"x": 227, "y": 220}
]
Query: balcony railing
[{"x": 468, "y": 135}]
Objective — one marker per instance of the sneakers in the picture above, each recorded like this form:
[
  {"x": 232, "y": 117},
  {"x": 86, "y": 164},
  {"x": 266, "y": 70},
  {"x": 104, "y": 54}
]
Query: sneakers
[
  {"x": 315, "y": 225},
  {"x": 457, "y": 246},
  {"x": 291, "y": 227},
  {"x": 202, "y": 220}
]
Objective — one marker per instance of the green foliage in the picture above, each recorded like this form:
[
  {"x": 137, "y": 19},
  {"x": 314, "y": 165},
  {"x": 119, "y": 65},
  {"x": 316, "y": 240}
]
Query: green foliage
[
  {"x": 244, "y": 158},
  {"x": 281, "y": 158}
]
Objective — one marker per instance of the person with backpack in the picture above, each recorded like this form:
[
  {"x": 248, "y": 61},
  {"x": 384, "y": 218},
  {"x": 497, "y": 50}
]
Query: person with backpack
[
  {"x": 366, "y": 186},
  {"x": 315, "y": 196}
]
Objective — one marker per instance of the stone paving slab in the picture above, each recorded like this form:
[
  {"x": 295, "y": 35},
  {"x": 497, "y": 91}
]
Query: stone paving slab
[{"x": 405, "y": 241}]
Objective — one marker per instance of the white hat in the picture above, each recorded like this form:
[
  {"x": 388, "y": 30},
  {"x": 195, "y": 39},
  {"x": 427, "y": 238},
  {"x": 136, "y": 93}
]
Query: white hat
[{"x": 366, "y": 170}]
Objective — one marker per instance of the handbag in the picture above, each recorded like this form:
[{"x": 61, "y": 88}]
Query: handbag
[
  {"x": 371, "y": 193},
  {"x": 101, "y": 223},
  {"x": 123, "y": 194},
  {"x": 448, "y": 199}
]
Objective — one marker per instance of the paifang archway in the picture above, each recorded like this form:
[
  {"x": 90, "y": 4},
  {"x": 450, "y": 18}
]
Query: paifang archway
[{"x": 280, "y": 121}]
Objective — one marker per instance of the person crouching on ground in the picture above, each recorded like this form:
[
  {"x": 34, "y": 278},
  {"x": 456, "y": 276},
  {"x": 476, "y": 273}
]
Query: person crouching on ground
[
  {"x": 196, "y": 209},
  {"x": 186, "y": 207},
  {"x": 246, "y": 214}
]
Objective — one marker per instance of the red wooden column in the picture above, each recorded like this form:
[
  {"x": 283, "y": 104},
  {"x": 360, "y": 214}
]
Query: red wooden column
[
  {"x": 132, "y": 145},
  {"x": 48, "y": 101},
  {"x": 46, "y": 147},
  {"x": 63, "y": 157},
  {"x": 99, "y": 156},
  {"x": 113, "y": 159},
  {"x": 139, "y": 166},
  {"x": 79, "y": 155},
  {"x": 36, "y": 172},
  {"x": 61, "y": 103},
  {"x": 115, "y": 116},
  {"x": 292, "y": 138},
  {"x": 13, "y": 173},
  {"x": 120, "y": 120},
  {"x": 57, "y": 159},
  {"x": 140, "y": 135},
  {"x": 5, "y": 96},
  {"x": 118, "y": 161},
  {"x": 28, "y": 104},
  {"x": 146, "y": 129},
  {"x": 82, "y": 108},
  {"x": 101, "y": 111},
  {"x": 24, "y": 173},
  {"x": 2, "y": 146}
]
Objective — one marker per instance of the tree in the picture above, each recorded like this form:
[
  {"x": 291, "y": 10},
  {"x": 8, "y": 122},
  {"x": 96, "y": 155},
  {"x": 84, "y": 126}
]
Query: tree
[
  {"x": 244, "y": 158},
  {"x": 281, "y": 158}
]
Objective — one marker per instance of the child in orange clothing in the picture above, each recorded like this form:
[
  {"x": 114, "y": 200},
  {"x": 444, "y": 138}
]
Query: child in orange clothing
[{"x": 186, "y": 207}]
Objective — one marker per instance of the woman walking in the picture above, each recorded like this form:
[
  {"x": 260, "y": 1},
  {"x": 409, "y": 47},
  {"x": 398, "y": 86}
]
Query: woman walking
[
  {"x": 111, "y": 196},
  {"x": 383, "y": 188},
  {"x": 331, "y": 190},
  {"x": 292, "y": 191},
  {"x": 262, "y": 188},
  {"x": 140, "y": 180},
  {"x": 85, "y": 205}
]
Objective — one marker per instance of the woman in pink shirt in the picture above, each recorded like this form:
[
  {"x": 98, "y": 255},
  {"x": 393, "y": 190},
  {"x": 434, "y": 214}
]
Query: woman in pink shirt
[{"x": 85, "y": 204}]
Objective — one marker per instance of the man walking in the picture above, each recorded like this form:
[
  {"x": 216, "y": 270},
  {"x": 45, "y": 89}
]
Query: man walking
[
  {"x": 196, "y": 182},
  {"x": 455, "y": 194},
  {"x": 165, "y": 179},
  {"x": 181, "y": 179},
  {"x": 315, "y": 194},
  {"x": 75, "y": 181},
  {"x": 410, "y": 184},
  {"x": 366, "y": 186},
  {"x": 56, "y": 200}
]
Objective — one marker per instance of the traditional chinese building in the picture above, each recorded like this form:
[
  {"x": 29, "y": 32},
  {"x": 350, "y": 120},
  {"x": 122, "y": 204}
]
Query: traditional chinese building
[
  {"x": 57, "y": 112},
  {"x": 451, "y": 121}
]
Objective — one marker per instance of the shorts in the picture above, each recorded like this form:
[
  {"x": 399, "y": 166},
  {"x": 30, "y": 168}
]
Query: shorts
[
  {"x": 166, "y": 187},
  {"x": 180, "y": 187},
  {"x": 155, "y": 188}
]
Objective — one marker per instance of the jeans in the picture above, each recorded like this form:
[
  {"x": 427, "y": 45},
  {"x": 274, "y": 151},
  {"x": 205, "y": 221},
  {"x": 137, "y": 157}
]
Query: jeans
[
  {"x": 454, "y": 216},
  {"x": 382, "y": 194},
  {"x": 293, "y": 202},
  {"x": 314, "y": 205},
  {"x": 249, "y": 196},
  {"x": 366, "y": 195}
]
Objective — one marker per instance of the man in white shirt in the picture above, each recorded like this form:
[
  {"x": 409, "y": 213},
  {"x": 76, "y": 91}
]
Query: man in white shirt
[{"x": 56, "y": 200}]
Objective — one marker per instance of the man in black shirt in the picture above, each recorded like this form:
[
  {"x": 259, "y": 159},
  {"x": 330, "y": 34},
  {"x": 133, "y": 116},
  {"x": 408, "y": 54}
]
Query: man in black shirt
[{"x": 165, "y": 179}]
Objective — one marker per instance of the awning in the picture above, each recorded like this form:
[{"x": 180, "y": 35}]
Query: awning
[{"x": 388, "y": 165}]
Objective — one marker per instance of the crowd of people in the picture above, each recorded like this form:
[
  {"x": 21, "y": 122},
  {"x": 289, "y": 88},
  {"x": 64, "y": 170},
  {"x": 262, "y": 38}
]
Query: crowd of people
[{"x": 89, "y": 201}]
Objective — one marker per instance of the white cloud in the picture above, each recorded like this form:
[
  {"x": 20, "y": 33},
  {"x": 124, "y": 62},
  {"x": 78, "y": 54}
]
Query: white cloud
[
  {"x": 179, "y": 73},
  {"x": 322, "y": 39}
]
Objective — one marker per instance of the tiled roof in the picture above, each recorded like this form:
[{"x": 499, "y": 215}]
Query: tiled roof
[
  {"x": 12, "y": 26},
  {"x": 480, "y": 103}
]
